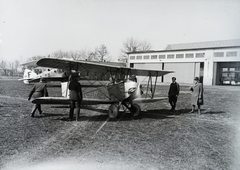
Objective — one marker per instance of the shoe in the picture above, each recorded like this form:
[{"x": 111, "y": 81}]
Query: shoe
[
  {"x": 40, "y": 112},
  {"x": 32, "y": 115}
]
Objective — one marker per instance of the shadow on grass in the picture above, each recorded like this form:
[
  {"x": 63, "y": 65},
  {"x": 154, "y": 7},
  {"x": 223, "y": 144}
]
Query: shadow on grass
[
  {"x": 214, "y": 112},
  {"x": 126, "y": 116}
]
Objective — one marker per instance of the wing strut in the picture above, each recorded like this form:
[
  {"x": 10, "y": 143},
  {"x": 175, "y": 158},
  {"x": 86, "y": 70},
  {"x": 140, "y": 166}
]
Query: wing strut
[{"x": 152, "y": 87}]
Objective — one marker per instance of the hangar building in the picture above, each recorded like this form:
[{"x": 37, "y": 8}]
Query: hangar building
[{"x": 215, "y": 62}]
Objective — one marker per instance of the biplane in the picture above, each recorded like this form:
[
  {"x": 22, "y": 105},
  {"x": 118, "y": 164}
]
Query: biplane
[
  {"x": 33, "y": 73},
  {"x": 122, "y": 88}
]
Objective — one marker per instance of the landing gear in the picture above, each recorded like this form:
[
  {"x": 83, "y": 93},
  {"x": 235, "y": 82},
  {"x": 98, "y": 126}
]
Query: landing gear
[
  {"x": 113, "y": 111},
  {"x": 135, "y": 110}
]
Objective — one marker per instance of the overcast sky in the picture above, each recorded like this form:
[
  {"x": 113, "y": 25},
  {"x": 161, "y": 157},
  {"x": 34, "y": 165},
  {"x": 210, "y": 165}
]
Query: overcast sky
[{"x": 41, "y": 27}]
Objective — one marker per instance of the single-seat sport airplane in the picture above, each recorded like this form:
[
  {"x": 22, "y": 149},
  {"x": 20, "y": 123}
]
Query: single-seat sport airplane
[
  {"x": 33, "y": 73},
  {"x": 122, "y": 89}
]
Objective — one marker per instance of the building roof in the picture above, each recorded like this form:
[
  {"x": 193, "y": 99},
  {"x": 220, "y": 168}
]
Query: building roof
[
  {"x": 196, "y": 46},
  {"x": 204, "y": 45}
]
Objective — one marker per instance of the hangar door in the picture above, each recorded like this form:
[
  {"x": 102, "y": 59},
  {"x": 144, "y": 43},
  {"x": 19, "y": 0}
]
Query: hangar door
[
  {"x": 184, "y": 72},
  {"x": 157, "y": 66}
]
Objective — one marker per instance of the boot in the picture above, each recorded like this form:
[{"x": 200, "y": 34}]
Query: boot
[
  {"x": 199, "y": 110},
  {"x": 192, "y": 111},
  {"x": 77, "y": 113},
  {"x": 71, "y": 113}
]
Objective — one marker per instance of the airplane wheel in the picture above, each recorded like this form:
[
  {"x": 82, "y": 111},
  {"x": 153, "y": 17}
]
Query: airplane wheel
[
  {"x": 135, "y": 110},
  {"x": 113, "y": 111}
]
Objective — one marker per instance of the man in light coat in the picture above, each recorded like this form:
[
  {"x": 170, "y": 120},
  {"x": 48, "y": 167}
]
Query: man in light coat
[{"x": 197, "y": 95}]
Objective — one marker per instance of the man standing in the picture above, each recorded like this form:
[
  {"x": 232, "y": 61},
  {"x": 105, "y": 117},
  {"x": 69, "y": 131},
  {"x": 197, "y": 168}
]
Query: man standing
[
  {"x": 173, "y": 93},
  {"x": 38, "y": 90},
  {"x": 75, "y": 96}
]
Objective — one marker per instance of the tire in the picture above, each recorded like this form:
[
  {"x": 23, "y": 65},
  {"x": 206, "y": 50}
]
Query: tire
[
  {"x": 135, "y": 110},
  {"x": 113, "y": 111}
]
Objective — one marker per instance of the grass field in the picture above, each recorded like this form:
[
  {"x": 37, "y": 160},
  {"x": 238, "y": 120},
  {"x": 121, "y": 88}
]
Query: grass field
[{"x": 157, "y": 139}]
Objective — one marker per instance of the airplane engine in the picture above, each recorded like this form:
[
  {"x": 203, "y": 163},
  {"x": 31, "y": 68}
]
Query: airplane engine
[{"x": 124, "y": 90}]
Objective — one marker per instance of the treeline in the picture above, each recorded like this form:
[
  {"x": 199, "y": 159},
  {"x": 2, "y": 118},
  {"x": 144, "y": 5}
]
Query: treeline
[{"x": 100, "y": 54}]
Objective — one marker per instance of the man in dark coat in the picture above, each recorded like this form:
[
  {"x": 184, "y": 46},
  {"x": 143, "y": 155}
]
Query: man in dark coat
[
  {"x": 173, "y": 93},
  {"x": 75, "y": 96},
  {"x": 38, "y": 90},
  {"x": 197, "y": 95}
]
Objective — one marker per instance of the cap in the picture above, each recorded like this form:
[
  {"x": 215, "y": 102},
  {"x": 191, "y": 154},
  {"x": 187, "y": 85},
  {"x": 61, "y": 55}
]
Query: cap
[
  {"x": 196, "y": 78},
  {"x": 75, "y": 75}
]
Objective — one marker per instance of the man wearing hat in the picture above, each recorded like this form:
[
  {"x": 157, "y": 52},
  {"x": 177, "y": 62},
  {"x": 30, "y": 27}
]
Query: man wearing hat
[
  {"x": 197, "y": 95},
  {"x": 173, "y": 93},
  {"x": 38, "y": 90},
  {"x": 75, "y": 96}
]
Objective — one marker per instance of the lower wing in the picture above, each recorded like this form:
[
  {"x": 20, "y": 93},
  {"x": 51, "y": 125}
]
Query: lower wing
[
  {"x": 64, "y": 100},
  {"x": 148, "y": 100}
]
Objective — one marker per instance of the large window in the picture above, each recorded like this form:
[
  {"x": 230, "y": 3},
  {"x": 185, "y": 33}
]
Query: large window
[
  {"x": 179, "y": 55},
  {"x": 162, "y": 56},
  {"x": 153, "y": 57},
  {"x": 199, "y": 55},
  {"x": 219, "y": 54},
  {"x": 231, "y": 54},
  {"x": 132, "y": 57},
  {"x": 170, "y": 56},
  {"x": 139, "y": 57},
  {"x": 190, "y": 55},
  {"x": 146, "y": 57}
]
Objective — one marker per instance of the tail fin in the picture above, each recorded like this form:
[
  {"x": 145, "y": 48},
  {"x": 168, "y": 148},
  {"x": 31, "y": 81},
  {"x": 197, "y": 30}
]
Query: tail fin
[{"x": 26, "y": 76}]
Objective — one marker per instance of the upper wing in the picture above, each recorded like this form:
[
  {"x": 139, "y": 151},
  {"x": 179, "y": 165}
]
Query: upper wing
[
  {"x": 64, "y": 100},
  {"x": 98, "y": 67},
  {"x": 49, "y": 79},
  {"x": 30, "y": 63}
]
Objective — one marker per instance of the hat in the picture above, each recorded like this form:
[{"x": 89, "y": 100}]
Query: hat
[
  {"x": 43, "y": 80},
  {"x": 196, "y": 78}
]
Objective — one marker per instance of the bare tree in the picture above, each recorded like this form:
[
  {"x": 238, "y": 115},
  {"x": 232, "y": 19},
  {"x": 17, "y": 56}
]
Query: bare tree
[
  {"x": 100, "y": 54},
  {"x": 59, "y": 54},
  {"x": 132, "y": 45},
  {"x": 35, "y": 58},
  {"x": 3, "y": 65}
]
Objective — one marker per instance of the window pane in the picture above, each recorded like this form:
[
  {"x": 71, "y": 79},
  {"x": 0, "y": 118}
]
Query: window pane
[
  {"x": 146, "y": 57},
  {"x": 224, "y": 74},
  {"x": 224, "y": 69},
  {"x": 199, "y": 55},
  {"x": 132, "y": 57},
  {"x": 189, "y": 56},
  {"x": 170, "y": 56},
  {"x": 162, "y": 56},
  {"x": 139, "y": 57},
  {"x": 219, "y": 54},
  {"x": 179, "y": 55},
  {"x": 153, "y": 56},
  {"x": 232, "y": 75},
  {"x": 231, "y": 54}
]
